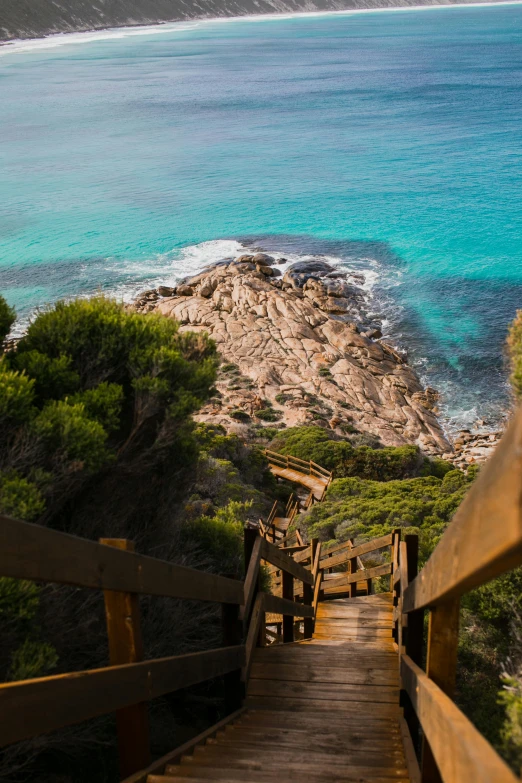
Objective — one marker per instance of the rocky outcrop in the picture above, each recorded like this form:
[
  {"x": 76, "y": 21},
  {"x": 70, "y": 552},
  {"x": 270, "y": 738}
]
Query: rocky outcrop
[{"x": 297, "y": 349}]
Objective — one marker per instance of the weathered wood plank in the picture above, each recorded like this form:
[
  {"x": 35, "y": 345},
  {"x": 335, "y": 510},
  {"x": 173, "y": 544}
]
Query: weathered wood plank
[
  {"x": 38, "y": 553},
  {"x": 326, "y": 674},
  {"x": 321, "y": 690},
  {"x": 358, "y": 576},
  {"x": 460, "y": 751},
  {"x": 252, "y": 578},
  {"x": 277, "y": 557},
  {"x": 441, "y": 667},
  {"x": 484, "y": 538},
  {"x": 277, "y": 605},
  {"x": 122, "y": 614},
  {"x": 356, "y": 551},
  {"x": 373, "y": 709},
  {"x": 34, "y": 707},
  {"x": 270, "y": 774}
]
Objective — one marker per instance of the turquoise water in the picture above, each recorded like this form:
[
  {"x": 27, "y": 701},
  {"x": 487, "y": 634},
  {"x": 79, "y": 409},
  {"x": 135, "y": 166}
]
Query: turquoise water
[{"x": 390, "y": 141}]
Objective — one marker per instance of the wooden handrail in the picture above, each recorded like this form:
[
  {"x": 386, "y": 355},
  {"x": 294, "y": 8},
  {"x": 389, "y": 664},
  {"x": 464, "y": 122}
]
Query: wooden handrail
[
  {"x": 277, "y": 557},
  {"x": 461, "y": 752},
  {"x": 272, "y": 515},
  {"x": 484, "y": 538},
  {"x": 351, "y": 552},
  {"x": 288, "y": 461},
  {"x": 33, "y": 707},
  {"x": 37, "y": 553},
  {"x": 358, "y": 576}
]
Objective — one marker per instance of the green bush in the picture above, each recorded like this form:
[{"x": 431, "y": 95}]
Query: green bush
[
  {"x": 7, "y": 318},
  {"x": 53, "y": 377},
  {"x": 510, "y": 699},
  {"x": 16, "y": 398},
  {"x": 514, "y": 343},
  {"x": 19, "y": 600},
  {"x": 34, "y": 658},
  {"x": 363, "y": 509},
  {"x": 88, "y": 369},
  {"x": 103, "y": 404},
  {"x": 344, "y": 460},
  {"x": 70, "y": 436},
  {"x": 220, "y": 538},
  {"x": 19, "y": 497},
  {"x": 268, "y": 414}
]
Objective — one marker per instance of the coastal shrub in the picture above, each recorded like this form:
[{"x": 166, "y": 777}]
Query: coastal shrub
[
  {"x": 364, "y": 509},
  {"x": 239, "y": 415},
  {"x": 510, "y": 699},
  {"x": 91, "y": 380},
  {"x": 53, "y": 377},
  {"x": 16, "y": 399},
  {"x": 345, "y": 460},
  {"x": 514, "y": 343},
  {"x": 20, "y": 497},
  {"x": 33, "y": 658},
  {"x": 268, "y": 414},
  {"x": 103, "y": 404},
  {"x": 7, "y": 318},
  {"x": 70, "y": 436},
  {"x": 219, "y": 538}
]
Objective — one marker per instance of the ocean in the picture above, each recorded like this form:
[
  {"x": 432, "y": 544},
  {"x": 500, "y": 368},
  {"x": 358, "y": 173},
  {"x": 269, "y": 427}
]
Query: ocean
[{"x": 388, "y": 141}]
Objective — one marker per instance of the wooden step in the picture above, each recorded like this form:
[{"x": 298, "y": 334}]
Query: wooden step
[
  {"x": 379, "y": 709},
  {"x": 320, "y": 690},
  {"x": 187, "y": 774},
  {"x": 334, "y": 673}
]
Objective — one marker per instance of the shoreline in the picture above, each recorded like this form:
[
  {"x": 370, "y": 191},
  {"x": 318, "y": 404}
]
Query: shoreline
[
  {"x": 298, "y": 348},
  {"x": 115, "y": 32}
]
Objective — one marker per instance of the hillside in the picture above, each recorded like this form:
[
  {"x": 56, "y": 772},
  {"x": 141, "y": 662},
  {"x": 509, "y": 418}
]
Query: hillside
[{"x": 36, "y": 18}]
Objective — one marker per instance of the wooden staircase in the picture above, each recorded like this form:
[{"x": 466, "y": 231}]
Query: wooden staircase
[
  {"x": 326, "y": 709},
  {"x": 344, "y": 697}
]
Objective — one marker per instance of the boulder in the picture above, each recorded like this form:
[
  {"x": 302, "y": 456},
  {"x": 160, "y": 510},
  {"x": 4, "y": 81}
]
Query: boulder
[
  {"x": 164, "y": 290},
  {"x": 244, "y": 258},
  {"x": 297, "y": 274},
  {"x": 206, "y": 290},
  {"x": 184, "y": 290},
  {"x": 340, "y": 288},
  {"x": 265, "y": 270},
  {"x": 262, "y": 258}
]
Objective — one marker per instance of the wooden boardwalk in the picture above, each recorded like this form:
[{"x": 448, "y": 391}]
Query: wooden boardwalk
[
  {"x": 315, "y": 484},
  {"x": 326, "y": 709}
]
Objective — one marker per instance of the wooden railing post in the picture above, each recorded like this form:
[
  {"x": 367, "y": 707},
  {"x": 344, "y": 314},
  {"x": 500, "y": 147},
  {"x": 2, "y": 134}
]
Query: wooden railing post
[
  {"x": 414, "y": 637},
  {"x": 250, "y": 536},
  {"x": 353, "y": 569},
  {"x": 441, "y": 667},
  {"x": 126, "y": 646},
  {"x": 308, "y": 592},
  {"x": 394, "y": 584},
  {"x": 287, "y": 581},
  {"x": 232, "y": 634}
]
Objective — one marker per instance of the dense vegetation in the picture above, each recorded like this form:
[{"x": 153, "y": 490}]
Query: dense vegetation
[{"x": 97, "y": 438}]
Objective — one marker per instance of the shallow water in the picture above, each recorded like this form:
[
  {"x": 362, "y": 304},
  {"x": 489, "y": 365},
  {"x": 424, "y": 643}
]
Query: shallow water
[{"x": 389, "y": 141}]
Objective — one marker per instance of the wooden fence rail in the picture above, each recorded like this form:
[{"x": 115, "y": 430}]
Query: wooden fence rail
[
  {"x": 483, "y": 541},
  {"x": 37, "y": 706}
]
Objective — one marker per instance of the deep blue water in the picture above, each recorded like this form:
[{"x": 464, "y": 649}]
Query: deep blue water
[{"x": 391, "y": 141}]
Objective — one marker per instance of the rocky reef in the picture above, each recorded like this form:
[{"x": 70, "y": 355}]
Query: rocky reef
[{"x": 298, "y": 348}]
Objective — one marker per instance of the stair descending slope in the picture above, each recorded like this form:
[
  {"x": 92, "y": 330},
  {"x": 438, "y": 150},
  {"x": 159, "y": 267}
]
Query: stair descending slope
[{"x": 320, "y": 710}]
